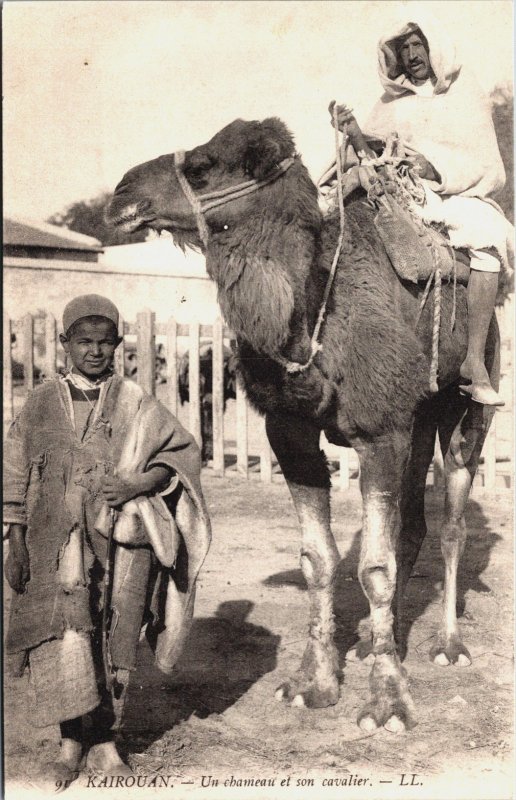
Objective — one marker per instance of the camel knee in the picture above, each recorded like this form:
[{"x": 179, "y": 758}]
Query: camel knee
[
  {"x": 453, "y": 536},
  {"x": 319, "y": 567},
  {"x": 378, "y": 582}
]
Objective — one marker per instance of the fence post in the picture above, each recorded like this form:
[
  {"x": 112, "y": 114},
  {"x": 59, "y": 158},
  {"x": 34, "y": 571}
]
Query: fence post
[
  {"x": 344, "y": 468},
  {"x": 120, "y": 350},
  {"x": 489, "y": 452},
  {"x": 241, "y": 431},
  {"x": 172, "y": 365},
  {"x": 218, "y": 397},
  {"x": 146, "y": 351},
  {"x": 50, "y": 346},
  {"x": 28, "y": 351},
  {"x": 8, "y": 372},
  {"x": 265, "y": 456},
  {"x": 194, "y": 383}
]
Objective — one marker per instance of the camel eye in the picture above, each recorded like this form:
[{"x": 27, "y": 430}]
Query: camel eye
[{"x": 196, "y": 171}]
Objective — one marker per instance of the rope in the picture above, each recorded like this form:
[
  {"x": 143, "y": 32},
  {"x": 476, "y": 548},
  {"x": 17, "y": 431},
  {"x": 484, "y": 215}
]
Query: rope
[
  {"x": 454, "y": 306},
  {"x": 340, "y": 242},
  {"x": 179, "y": 160},
  {"x": 435, "y": 332},
  {"x": 221, "y": 196},
  {"x": 436, "y": 278},
  {"x": 316, "y": 347}
]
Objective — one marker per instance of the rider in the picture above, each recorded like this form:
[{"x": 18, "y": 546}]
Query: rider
[{"x": 445, "y": 125}]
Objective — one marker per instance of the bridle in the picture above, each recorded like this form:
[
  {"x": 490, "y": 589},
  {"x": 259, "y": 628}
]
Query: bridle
[{"x": 201, "y": 203}]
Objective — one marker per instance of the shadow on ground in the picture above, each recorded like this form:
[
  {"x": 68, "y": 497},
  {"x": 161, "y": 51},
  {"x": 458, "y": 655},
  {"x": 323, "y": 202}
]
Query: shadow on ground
[
  {"x": 224, "y": 656},
  {"x": 424, "y": 587}
]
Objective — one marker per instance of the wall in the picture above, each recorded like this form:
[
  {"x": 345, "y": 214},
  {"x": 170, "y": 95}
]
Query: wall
[{"x": 181, "y": 289}]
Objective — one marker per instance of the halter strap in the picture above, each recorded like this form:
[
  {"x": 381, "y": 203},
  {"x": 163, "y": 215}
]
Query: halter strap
[{"x": 201, "y": 203}]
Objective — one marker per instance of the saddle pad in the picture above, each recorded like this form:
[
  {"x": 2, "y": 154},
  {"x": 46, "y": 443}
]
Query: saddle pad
[{"x": 415, "y": 250}]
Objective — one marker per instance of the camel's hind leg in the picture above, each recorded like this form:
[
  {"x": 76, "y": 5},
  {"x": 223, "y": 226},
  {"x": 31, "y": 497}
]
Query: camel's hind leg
[
  {"x": 461, "y": 450},
  {"x": 413, "y": 523},
  {"x": 462, "y": 432},
  {"x": 296, "y": 445},
  {"x": 383, "y": 463}
]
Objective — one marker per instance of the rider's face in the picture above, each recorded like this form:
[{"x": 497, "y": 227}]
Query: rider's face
[{"x": 415, "y": 58}]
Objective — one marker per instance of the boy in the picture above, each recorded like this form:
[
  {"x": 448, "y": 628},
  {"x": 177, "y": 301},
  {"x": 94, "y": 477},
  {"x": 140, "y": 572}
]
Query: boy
[{"x": 97, "y": 474}]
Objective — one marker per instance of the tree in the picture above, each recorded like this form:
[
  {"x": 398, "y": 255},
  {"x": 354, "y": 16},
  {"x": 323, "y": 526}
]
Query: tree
[
  {"x": 88, "y": 217},
  {"x": 503, "y": 110}
]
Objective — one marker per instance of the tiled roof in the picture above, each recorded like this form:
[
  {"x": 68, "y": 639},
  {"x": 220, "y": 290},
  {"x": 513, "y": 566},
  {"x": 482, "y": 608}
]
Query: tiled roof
[{"x": 40, "y": 234}]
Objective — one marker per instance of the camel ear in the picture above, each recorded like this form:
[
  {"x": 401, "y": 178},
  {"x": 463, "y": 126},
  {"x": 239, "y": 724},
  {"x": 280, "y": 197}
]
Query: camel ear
[{"x": 269, "y": 143}]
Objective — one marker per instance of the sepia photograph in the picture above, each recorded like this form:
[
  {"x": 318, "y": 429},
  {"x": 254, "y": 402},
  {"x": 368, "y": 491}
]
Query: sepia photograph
[{"x": 258, "y": 399}]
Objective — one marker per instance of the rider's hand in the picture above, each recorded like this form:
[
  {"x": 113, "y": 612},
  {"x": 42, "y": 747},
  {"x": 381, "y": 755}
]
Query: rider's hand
[
  {"x": 17, "y": 566},
  {"x": 345, "y": 118},
  {"x": 423, "y": 168}
]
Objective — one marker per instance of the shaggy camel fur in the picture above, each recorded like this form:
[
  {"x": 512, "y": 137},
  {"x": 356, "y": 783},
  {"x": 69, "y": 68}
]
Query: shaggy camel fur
[{"x": 269, "y": 253}]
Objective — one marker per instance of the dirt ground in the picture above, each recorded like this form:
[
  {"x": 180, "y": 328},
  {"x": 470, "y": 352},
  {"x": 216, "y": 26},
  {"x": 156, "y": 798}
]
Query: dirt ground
[{"x": 216, "y": 719}]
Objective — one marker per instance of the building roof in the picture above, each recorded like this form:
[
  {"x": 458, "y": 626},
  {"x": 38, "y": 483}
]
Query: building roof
[
  {"x": 27, "y": 233},
  {"x": 154, "y": 257}
]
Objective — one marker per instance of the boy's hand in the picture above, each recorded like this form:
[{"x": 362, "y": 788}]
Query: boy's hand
[
  {"x": 118, "y": 490},
  {"x": 17, "y": 566}
]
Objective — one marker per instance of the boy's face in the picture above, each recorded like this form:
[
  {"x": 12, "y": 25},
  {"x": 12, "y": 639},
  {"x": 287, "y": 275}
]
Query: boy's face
[{"x": 91, "y": 346}]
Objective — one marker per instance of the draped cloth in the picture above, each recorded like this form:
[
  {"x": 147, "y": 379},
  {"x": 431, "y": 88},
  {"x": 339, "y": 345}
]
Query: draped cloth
[
  {"x": 451, "y": 126},
  {"x": 53, "y": 484}
]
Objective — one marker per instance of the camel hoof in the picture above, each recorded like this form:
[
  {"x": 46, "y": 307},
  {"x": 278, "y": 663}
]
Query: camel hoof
[
  {"x": 451, "y": 652},
  {"x": 367, "y": 724},
  {"x": 391, "y": 705},
  {"x": 395, "y": 725},
  {"x": 308, "y": 695}
]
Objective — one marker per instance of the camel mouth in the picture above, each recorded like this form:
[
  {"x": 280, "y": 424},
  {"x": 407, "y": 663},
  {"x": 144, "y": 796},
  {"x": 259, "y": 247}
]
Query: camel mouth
[{"x": 130, "y": 219}]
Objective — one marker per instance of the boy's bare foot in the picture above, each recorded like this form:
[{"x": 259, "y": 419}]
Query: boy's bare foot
[
  {"x": 105, "y": 759},
  {"x": 57, "y": 775}
]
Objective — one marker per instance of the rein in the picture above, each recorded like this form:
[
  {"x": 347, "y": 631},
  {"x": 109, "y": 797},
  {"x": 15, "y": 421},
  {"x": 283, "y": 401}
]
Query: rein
[{"x": 201, "y": 203}]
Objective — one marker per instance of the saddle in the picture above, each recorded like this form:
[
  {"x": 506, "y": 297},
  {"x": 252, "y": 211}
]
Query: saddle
[{"x": 415, "y": 249}]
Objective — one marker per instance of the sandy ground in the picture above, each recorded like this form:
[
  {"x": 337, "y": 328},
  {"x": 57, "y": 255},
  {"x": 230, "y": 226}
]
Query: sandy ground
[{"x": 216, "y": 719}]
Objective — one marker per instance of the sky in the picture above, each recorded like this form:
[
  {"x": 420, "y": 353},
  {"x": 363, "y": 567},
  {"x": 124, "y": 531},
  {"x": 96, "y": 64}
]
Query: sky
[{"x": 93, "y": 88}]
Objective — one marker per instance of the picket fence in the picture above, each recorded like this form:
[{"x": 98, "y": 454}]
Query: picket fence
[{"x": 494, "y": 474}]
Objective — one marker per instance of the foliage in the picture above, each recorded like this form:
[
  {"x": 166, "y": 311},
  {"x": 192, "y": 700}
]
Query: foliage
[
  {"x": 503, "y": 110},
  {"x": 88, "y": 217}
]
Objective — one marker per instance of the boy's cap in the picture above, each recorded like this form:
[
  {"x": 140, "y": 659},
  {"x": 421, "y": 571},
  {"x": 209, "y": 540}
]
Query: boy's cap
[{"x": 89, "y": 305}]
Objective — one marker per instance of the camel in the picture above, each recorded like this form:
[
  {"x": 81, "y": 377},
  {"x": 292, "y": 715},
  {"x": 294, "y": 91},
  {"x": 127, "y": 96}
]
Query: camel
[{"x": 269, "y": 249}]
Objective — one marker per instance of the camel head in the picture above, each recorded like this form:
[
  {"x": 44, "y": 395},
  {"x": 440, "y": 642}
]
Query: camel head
[{"x": 150, "y": 194}]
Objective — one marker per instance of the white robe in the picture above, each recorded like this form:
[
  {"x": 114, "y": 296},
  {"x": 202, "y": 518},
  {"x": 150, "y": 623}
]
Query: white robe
[{"x": 451, "y": 126}]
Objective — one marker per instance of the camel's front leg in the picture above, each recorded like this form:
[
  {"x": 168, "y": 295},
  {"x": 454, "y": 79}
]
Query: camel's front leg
[
  {"x": 383, "y": 463},
  {"x": 296, "y": 445}
]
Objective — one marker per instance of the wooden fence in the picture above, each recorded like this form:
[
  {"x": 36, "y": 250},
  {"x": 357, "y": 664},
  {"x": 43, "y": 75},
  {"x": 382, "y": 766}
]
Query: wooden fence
[{"x": 495, "y": 472}]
